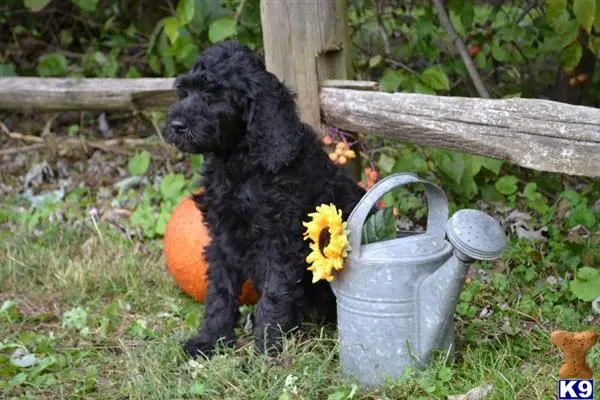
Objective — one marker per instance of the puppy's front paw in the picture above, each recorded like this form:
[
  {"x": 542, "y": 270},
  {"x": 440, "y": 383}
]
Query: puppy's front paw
[{"x": 198, "y": 346}]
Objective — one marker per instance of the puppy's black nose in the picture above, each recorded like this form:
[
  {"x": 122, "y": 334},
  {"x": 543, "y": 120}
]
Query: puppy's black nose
[{"x": 178, "y": 125}]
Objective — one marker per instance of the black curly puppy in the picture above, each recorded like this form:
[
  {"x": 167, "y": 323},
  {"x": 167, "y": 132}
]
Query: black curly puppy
[{"x": 264, "y": 171}]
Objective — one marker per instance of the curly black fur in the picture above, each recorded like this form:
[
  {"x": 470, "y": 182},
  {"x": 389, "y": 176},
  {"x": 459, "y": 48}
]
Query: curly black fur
[{"x": 264, "y": 171}]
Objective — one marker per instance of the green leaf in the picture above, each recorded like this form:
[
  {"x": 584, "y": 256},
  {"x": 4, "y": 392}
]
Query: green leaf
[
  {"x": 467, "y": 14},
  {"x": 386, "y": 163},
  {"x": 221, "y": 29},
  {"x": 583, "y": 215},
  {"x": 491, "y": 164},
  {"x": 154, "y": 63},
  {"x": 339, "y": 394},
  {"x": 499, "y": 53},
  {"x": 73, "y": 130},
  {"x": 186, "y": 10},
  {"x": 196, "y": 161},
  {"x": 445, "y": 374},
  {"x": 572, "y": 196},
  {"x": 585, "y": 11},
  {"x": 507, "y": 185},
  {"x": 138, "y": 165},
  {"x": 391, "y": 80},
  {"x": 379, "y": 226},
  {"x": 595, "y": 45},
  {"x": 530, "y": 191},
  {"x": 8, "y": 69},
  {"x": 374, "y": 61},
  {"x": 86, "y": 5},
  {"x": 171, "y": 187},
  {"x": 18, "y": 379},
  {"x": 450, "y": 164},
  {"x": 75, "y": 318},
  {"x": 554, "y": 9},
  {"x": 197, "y": 389},
  {"x": 172, "y": 29},
  {"x": 411, "y": 162},
  {"x": 139, "y": 329},
  {"x": 468, "y": 186},
  {"x": 586, "y": 285},
  {"x": 52, "y": 64},
  {"x": 597, "y": 19},
  {"x": 570, "y": 57},
  {"x": 36, "y": 5},
  {"x": 436, "y": 78},
  {"x": 423, "y": 89}
]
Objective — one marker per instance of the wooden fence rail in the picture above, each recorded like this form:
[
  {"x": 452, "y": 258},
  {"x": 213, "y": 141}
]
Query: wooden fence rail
[{"x": 538, "y": 134}]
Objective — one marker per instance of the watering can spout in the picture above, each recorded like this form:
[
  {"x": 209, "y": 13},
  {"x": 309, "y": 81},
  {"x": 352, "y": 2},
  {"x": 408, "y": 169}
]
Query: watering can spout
[{"x": 474, "y": 236}]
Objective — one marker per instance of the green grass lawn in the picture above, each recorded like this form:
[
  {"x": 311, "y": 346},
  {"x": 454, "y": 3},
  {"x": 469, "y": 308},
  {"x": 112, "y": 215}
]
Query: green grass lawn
[{"x": 98, "y": 317}]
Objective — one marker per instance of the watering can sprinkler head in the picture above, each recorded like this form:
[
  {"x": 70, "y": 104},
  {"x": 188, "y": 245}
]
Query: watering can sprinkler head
[{"x": 475, "y": 236}]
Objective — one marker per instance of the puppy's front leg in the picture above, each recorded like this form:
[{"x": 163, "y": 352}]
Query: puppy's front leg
[
  {"x": 221, "y": 306},
  {"x": 279, "y": 309}
]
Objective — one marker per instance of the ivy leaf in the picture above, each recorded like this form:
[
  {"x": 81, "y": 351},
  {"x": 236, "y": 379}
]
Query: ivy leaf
[
  {"x": 172, "y": 29},
  {"x": 379, "y": 226},
  {"x": 186, "y": 10},
  {"x": 586, "y": 285},
  {"x": 436, "y": 78},
  {"x": 36, "y": 5},
  {"x": 391, "y": 80},
  {"x": 221, "y": 29},
  {"x": 570, "y": 57},
  {"x": 554, "y": 9},
  {"x": 585, "y": 11},
  {"x": 507, "y": 184},
  {"x": 52, "y": 64}
]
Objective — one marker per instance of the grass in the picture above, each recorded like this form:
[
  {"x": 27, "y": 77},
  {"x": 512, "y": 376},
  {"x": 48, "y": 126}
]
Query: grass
[{"x": 104, "y": 320}]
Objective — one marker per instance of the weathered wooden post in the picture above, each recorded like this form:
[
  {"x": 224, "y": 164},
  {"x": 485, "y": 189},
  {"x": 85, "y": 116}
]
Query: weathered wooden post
[{"x": 305, "y": 42}]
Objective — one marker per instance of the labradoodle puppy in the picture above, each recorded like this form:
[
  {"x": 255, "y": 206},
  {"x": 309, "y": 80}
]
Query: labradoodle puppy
[{"x": 264, "y": 171}]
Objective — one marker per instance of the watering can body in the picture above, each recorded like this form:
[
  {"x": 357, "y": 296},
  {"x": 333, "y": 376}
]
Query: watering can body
[{"x": 396, "y": 298}]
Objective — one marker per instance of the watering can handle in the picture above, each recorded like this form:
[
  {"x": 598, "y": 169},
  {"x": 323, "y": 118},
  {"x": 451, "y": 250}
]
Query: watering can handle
[{"x": 437, "y": 206}]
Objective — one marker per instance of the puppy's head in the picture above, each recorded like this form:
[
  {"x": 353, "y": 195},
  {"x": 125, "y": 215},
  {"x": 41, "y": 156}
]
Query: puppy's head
[{"x": 227, "y": 98}]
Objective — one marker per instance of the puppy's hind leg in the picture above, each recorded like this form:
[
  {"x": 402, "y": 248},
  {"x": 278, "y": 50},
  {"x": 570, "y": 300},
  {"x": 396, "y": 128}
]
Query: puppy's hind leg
[
  {"x": 279, "y": 310},
  {"x": 221, "y": 307}
]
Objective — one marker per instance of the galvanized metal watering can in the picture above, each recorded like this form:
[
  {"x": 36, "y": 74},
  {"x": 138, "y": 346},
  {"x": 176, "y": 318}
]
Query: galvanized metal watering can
[{"x": 396, "y": 298}]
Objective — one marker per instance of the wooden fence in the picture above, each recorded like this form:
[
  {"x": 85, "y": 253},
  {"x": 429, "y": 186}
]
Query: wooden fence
[{"x": 306, "y": 46}]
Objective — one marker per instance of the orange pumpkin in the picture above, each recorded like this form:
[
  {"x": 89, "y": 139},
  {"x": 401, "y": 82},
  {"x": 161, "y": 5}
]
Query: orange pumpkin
[{"x": 184, "y": 240}]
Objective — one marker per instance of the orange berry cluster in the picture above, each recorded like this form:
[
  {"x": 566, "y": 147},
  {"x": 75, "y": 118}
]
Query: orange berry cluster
[
  {"x": 342, "y": 152},
  {"x": 372, "y": 177}
]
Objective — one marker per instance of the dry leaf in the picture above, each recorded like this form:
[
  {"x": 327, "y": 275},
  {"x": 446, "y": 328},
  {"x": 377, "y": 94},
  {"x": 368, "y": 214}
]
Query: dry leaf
[{"x": 478, "y": 393}]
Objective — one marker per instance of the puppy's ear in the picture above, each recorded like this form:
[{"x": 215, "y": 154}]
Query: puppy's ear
[{"x": 273, "y": 127}]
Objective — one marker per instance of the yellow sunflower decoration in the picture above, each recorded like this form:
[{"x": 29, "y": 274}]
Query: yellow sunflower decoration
[{"x": 329, "y": 242}]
